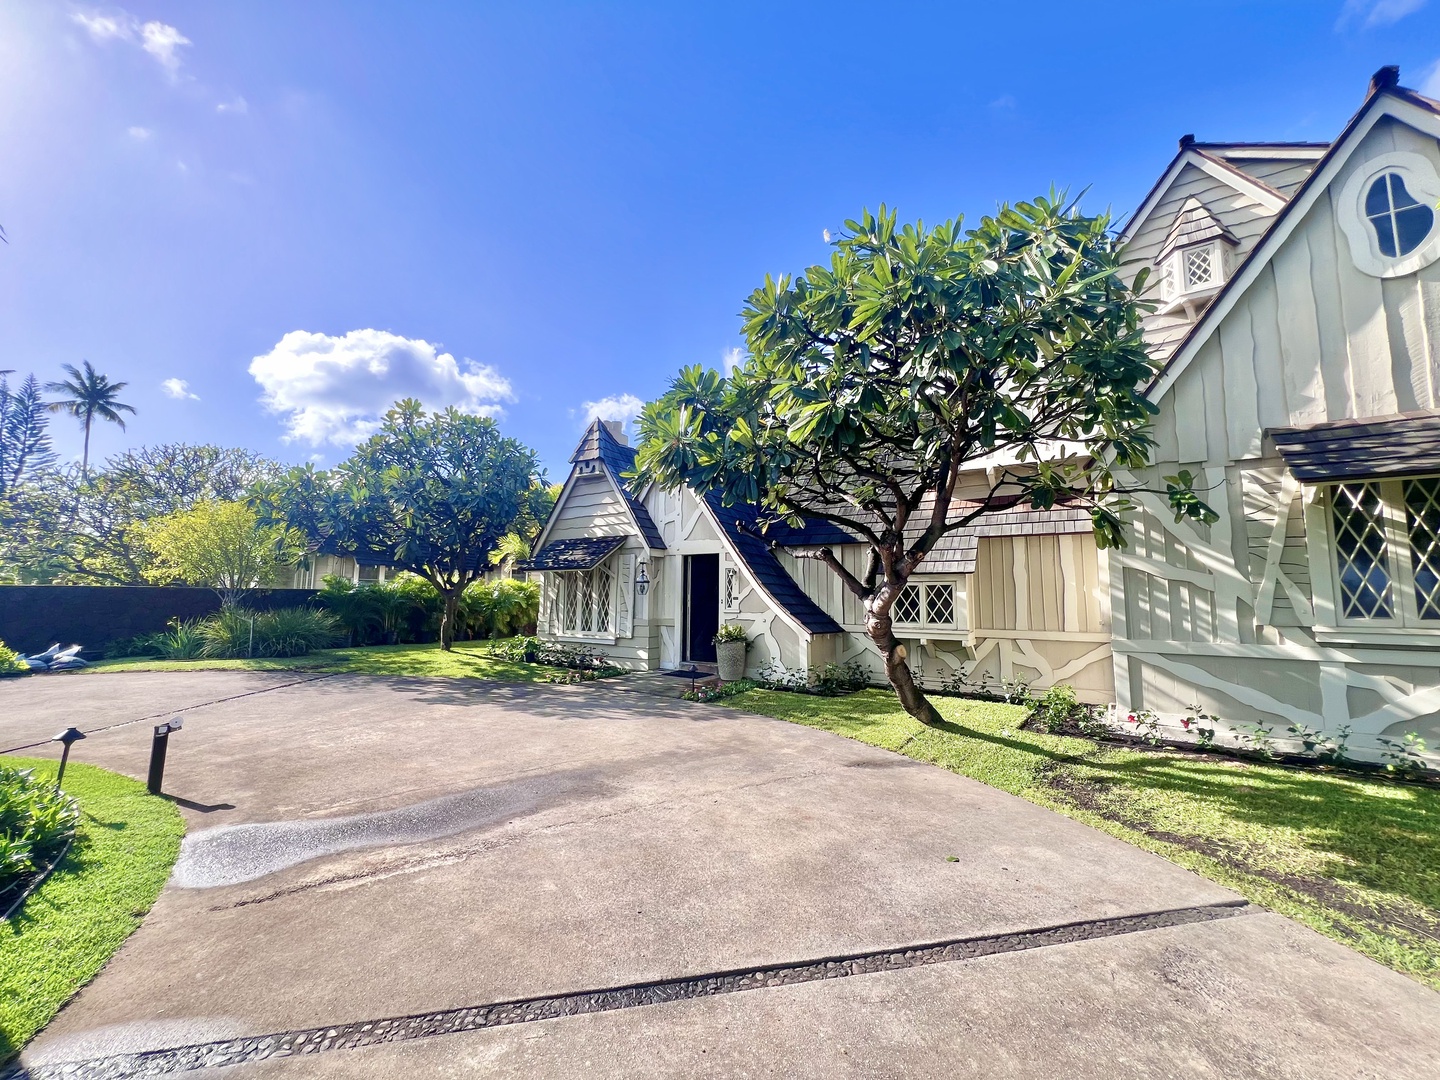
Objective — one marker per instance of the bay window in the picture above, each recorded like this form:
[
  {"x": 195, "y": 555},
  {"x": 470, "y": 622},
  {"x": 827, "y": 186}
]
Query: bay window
[{"x": 585, "y": 600}]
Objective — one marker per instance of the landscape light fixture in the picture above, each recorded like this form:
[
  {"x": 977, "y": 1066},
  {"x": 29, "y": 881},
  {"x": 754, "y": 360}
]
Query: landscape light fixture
[
  {"x": 694, "y": 674},
  {"x": 642, "y": 582},
  {"x": 158, "y": 746},
  {"x": 66, "y": 738}
]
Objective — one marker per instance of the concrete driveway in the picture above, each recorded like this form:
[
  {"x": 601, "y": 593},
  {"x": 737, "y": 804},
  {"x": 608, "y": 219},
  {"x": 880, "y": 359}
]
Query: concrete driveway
[{"x": 429, "y": 878}]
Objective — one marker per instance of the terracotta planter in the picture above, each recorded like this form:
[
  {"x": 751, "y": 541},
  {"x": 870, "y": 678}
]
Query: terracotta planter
[{"x": 730, "y": 659}]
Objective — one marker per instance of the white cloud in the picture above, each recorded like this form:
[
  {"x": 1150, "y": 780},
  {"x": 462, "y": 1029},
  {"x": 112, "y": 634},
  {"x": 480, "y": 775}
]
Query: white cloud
[
  {"x": 1004, "y": 101},
  {"x": 1430, "y": 85},
  {"x": 161, "y": 40},
  {"x": 178, "y": 389},
  {"x": 140, "y": 133},
  {"x": 1371, "y": 13},
  {"x": 621, "y": 407},
  {"x": 733, "y": 358},
  {"x": 237, "y": 105},
  {"x": 335, "y": 389}
]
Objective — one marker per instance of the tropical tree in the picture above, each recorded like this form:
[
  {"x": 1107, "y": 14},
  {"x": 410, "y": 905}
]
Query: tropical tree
[
  {"x": 73, "y": 528},
  {"x": 24, "y": 437},
  {"x": 90, "y": 395},
  {"x": 432, "y": 494},
  {"x": 222, "y": 545},
  {"x": 875, "y": 386}
]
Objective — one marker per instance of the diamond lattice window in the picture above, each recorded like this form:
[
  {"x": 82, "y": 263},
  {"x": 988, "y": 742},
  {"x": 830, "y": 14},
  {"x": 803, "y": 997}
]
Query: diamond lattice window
[
  {"x": 1422, "y": 524},
  {"x": 587, "y": 600},
  {"x": 1199, "y": 267},
  {"x": 1360, "y": 550},
  {"x": 907, "y": 606},
  {"x": 732, "y": 588},
  {"x": 940, "y": 605}
]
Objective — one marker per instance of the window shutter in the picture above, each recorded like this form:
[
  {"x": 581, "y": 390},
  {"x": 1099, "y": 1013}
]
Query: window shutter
[
  {"x": 547, "y": 603},
  {"x": 625, "y": 622}
]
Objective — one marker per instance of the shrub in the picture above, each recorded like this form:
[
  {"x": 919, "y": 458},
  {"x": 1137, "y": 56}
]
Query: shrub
[
  {"x": 10, "y": 660},
  {"x": 1057, "y": 708},
  {"x": 720, "y": 691},
  {"x": 236, "y": 632},
  {"x": 294, "y": 631},
  {"x": 843, "y": 678},
  {"x": 531, "y": 650},
  {"x": 496, "y": 609},
  {"x": 183, "y": 640},
  {"x": 35, "y": 822}
]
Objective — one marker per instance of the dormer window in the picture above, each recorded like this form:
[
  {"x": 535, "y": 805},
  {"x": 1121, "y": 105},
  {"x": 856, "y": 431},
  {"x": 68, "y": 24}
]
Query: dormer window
[
  {"x": 1387, "y": 211},
  {"x": 1192, "y": 262}
]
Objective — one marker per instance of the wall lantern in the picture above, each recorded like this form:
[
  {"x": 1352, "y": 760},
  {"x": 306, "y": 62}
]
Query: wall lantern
[
  {"x": 642, "y": 582},
  {"x": 66, "y": 738}
]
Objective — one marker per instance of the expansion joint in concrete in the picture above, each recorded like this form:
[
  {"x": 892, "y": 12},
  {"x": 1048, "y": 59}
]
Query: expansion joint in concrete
[{"x": 362, "y": 1033}]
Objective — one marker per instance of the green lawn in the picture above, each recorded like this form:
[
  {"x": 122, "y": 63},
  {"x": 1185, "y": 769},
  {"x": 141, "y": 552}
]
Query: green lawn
[
  {"x": 126, "y": 842},
  {"x": 1355, "y": 858},
  {"x": 469, "y": 660}
]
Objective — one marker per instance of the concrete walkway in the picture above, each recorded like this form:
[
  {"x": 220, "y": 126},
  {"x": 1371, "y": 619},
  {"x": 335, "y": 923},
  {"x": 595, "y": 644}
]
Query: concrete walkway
[{"x": 433, "y": 878}]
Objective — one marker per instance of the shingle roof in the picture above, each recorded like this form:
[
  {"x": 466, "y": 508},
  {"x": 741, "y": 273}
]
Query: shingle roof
[
  {"x": 580, "y": 553},
  {"x": 1194, "y": 224},
  {"x": 598, "y": 444},
  {"x": 739, "y": 524},
  {"x": 1361, "y": 449}
]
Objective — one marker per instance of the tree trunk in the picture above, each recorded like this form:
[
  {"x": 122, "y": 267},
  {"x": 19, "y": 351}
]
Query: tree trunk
[
  {"x": 897, "y": 669},
  {"x": 85, "y": 454},
  {"x": 447, "y": 619}
]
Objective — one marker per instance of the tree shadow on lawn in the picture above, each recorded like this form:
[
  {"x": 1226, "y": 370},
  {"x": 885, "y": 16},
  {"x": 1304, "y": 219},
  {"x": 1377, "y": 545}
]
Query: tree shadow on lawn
[{"x": 1366, "y": 833}]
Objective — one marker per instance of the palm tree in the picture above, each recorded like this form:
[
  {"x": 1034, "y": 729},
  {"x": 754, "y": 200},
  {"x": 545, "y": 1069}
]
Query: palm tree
[{"x": 91, "y": 395}]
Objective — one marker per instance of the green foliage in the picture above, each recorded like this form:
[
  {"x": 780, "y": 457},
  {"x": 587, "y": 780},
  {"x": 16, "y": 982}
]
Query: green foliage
[
  {"x": 72, "y": 528},
  {"x": 533, "y": 650},
  {"x": 239, "y": 632},
  {"x": 180, "y": 640},
  {"x": 432, "y": 494},
  {"x": 25, "y": 452},
  {"x": 126, "y": 841},
  {"x": 89, "y": 396},
  {"x": 10, "y": 659},
  {"x": 35, "y": 822},
  {"x": 222, "y": 545},
  {"x": 501, "y": 608},
  {"x": 873, "y": 382},
  {"x": 730, "y": 632},
  {"x": 828, "y": 681},
  {"x": 720, "y": 691},
  {"x": 1058, "y": 708},
  {"x": 1405, "y": 756}
]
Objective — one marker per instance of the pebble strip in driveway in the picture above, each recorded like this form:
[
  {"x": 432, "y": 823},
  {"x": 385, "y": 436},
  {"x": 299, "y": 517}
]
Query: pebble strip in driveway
[{"x": 450, "y": 1021}]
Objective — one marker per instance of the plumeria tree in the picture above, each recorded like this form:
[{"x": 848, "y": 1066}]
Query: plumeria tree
[
  {"x": 431, "y": 493},
  {"x": 924, "y": 377}
]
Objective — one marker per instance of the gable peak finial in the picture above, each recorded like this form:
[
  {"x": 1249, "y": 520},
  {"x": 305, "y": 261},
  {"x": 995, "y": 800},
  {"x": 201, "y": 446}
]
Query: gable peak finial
[
  {"x": 1387, "y": 78},
  {"x": 1187, "y": 141}
]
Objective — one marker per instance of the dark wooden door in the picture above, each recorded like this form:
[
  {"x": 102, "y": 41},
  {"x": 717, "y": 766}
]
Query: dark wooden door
[{"x": 702, "y": 607}]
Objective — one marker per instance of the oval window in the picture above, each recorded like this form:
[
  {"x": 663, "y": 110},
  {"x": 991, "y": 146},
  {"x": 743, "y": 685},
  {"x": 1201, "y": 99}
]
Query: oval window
[{"x": 1401, "y": 224}]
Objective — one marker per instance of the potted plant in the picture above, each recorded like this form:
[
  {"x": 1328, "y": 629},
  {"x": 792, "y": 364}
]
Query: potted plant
[{"x": 730, "y": 646}]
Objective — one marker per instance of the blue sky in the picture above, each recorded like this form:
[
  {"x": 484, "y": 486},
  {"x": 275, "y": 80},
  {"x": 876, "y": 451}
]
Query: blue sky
[{"x": 271, "y": 219}]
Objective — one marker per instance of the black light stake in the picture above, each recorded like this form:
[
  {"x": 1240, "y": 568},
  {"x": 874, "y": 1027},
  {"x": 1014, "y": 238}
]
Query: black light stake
[
  {"x": 66, "y": 738},
  {"x": 694, "y": 674},
  {"x": 157, "y": 754}
]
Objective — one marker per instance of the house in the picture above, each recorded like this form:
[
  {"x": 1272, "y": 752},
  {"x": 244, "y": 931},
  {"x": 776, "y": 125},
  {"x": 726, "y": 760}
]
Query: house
[
  {"x": 1298, "y": 324},
  {"x": 329, "y": 561}
]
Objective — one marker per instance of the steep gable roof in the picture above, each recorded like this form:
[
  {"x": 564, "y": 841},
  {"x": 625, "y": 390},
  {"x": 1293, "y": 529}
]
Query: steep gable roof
[
  {"x": 597, "y": 444},
  {"x": 1385, "y": 98}
]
